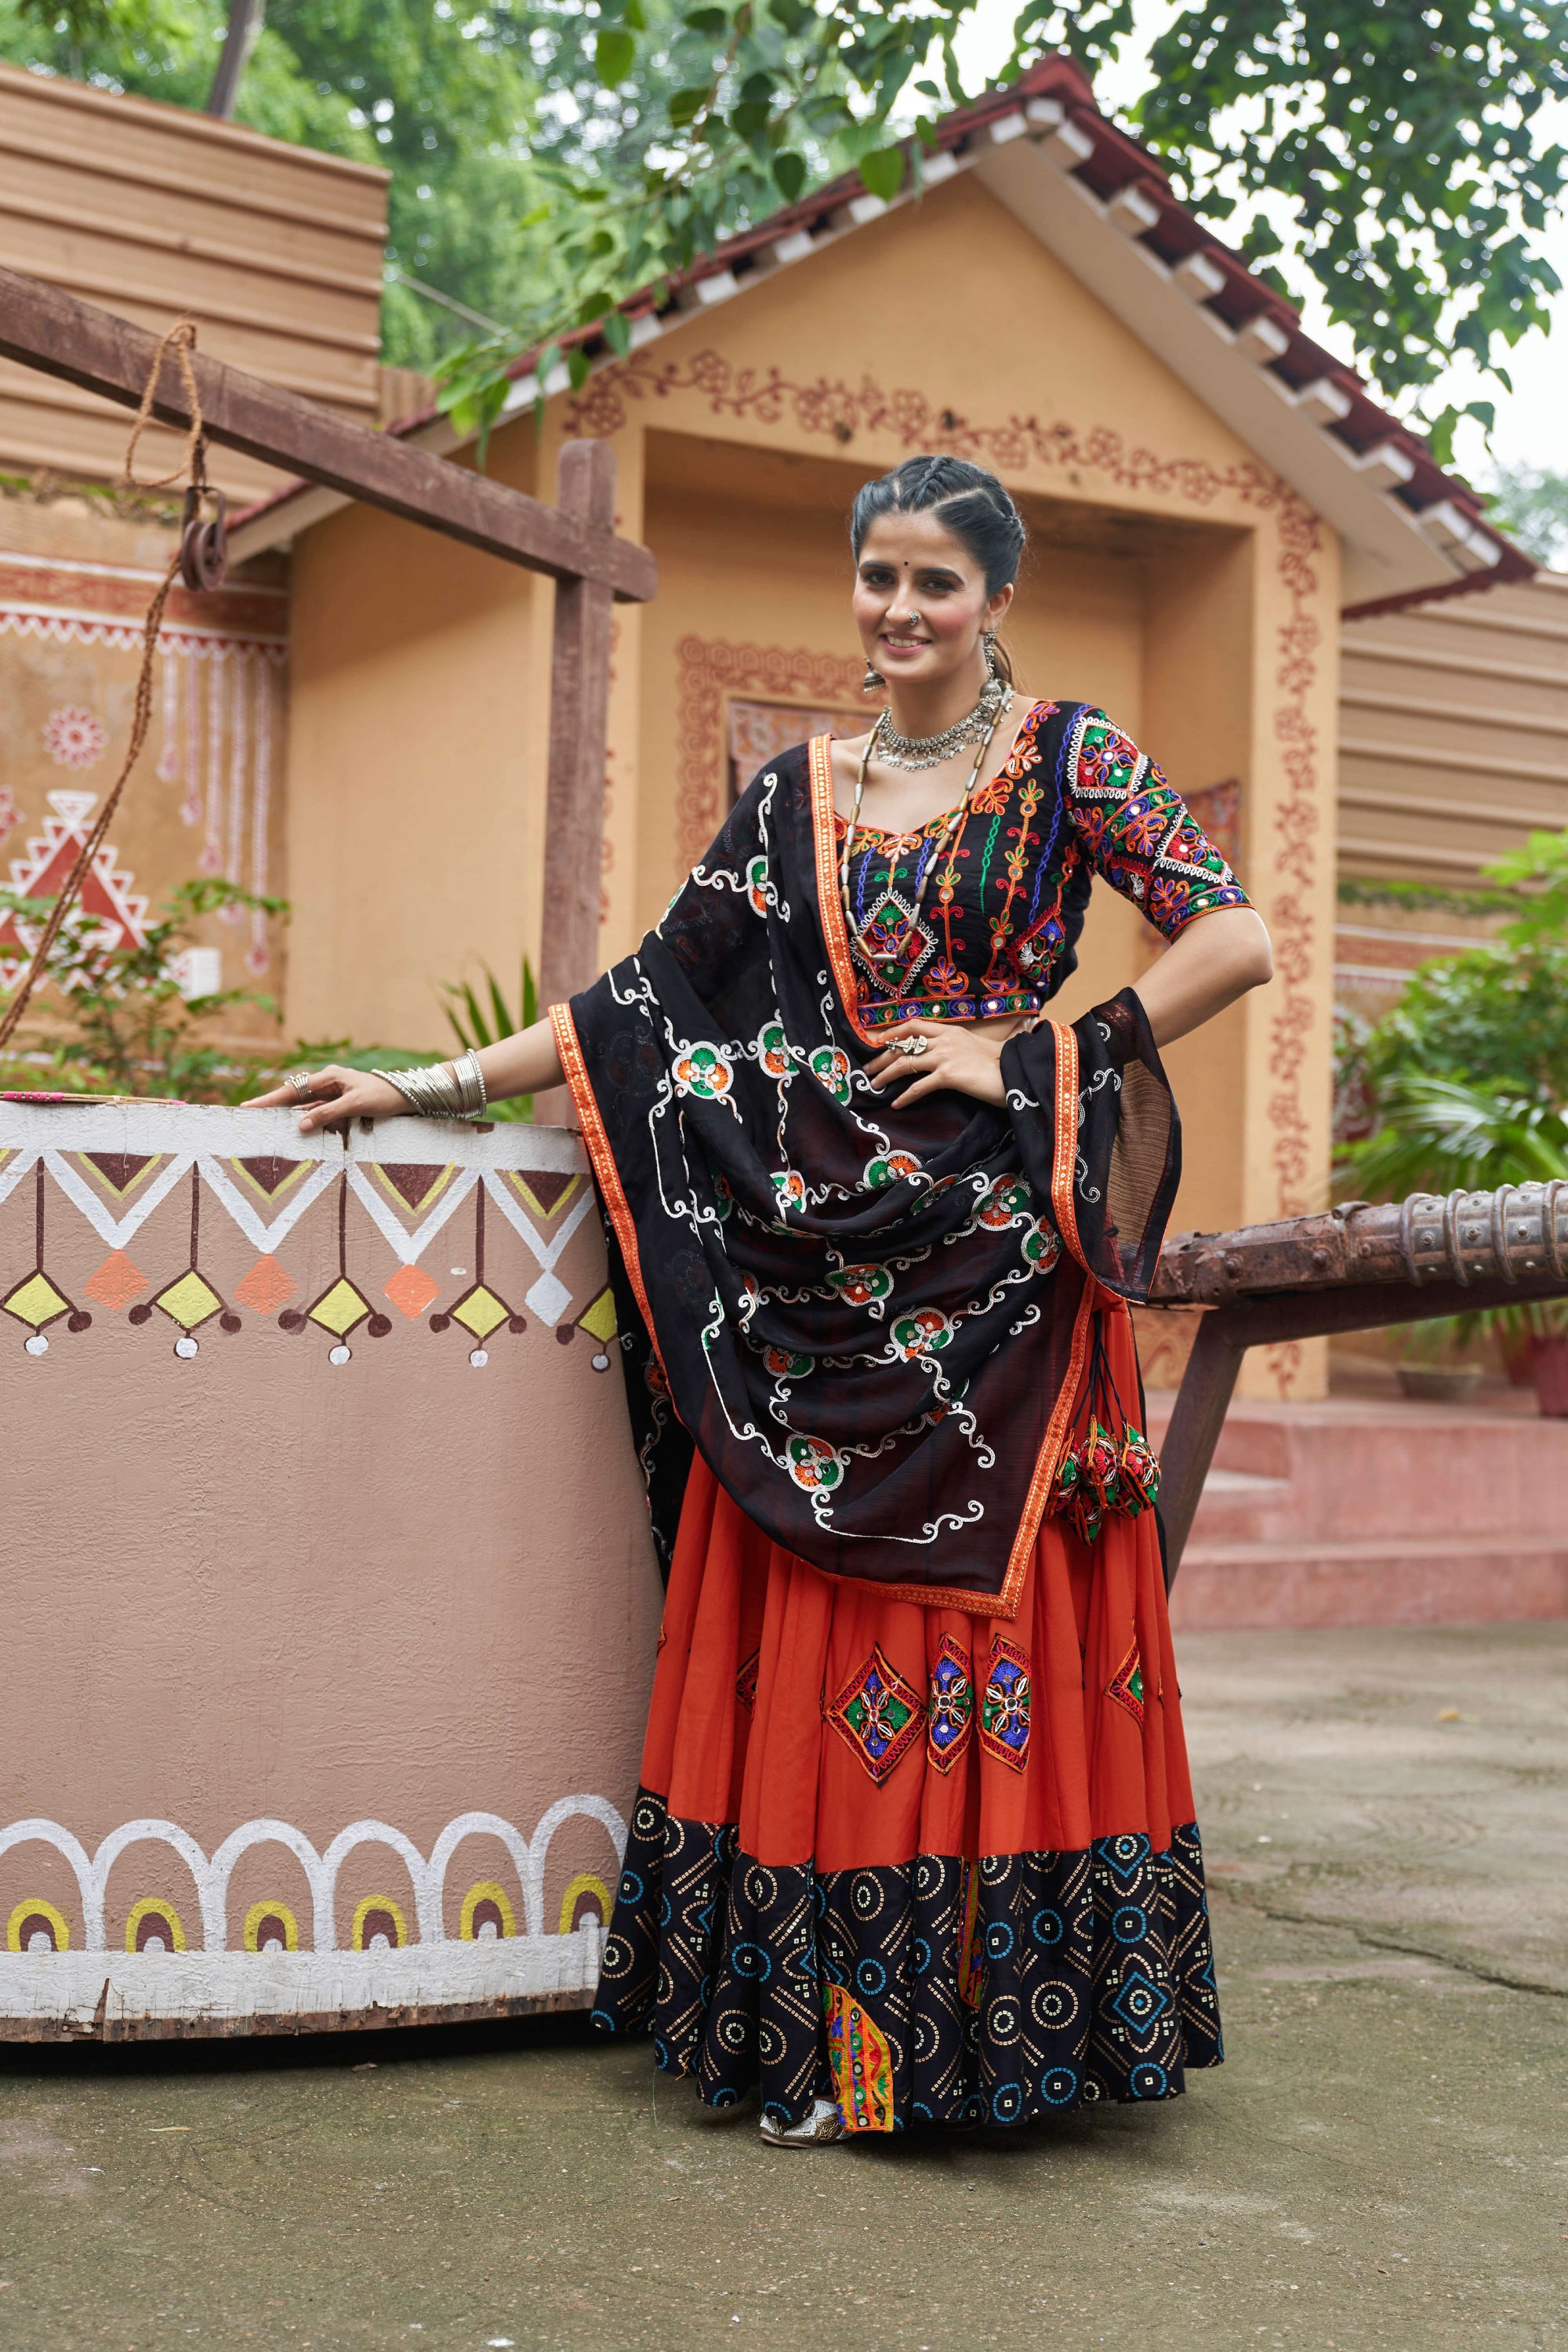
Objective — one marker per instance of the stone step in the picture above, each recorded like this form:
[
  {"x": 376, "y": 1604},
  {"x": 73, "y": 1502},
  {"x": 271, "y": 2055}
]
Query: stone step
[
  {"x": 1394, "y": 1581},
  {"x": 1238, "y": 1507},
  {"x": 1350, "y": 1470}
]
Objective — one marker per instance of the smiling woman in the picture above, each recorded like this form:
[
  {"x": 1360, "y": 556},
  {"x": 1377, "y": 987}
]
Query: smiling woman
[{"x": 915, "y": 1839}]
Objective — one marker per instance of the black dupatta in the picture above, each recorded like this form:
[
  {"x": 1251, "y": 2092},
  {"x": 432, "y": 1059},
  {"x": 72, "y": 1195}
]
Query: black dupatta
[{"x": 873, "y": 1322}]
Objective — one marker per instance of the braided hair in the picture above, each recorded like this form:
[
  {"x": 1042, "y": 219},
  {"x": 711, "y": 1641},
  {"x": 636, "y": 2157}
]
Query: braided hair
[
  {"x": 967, "y": 502},
  {"x": 970, "y": 503}
]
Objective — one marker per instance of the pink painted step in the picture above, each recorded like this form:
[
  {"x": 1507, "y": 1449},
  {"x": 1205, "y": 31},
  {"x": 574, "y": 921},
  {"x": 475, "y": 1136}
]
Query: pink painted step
[{"x": 1370, "y": 1510}]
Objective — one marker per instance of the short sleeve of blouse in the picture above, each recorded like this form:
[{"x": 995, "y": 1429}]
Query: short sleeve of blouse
[{"x": 1138, "y": 832}]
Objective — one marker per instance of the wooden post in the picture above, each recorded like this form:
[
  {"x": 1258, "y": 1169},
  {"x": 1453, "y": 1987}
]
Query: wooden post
[
  {"x": 579, "y": 720},
  {"x": 1198, "y": 1416}
]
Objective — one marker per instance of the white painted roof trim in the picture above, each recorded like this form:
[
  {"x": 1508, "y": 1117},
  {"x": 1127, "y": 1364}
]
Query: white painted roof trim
[
  {"x": 1028, "y": 159},
  {"x": 1386, "y": 549}
]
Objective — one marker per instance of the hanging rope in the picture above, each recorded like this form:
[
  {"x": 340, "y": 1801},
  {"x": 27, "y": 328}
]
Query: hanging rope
[{"x": 181, "y": 340}]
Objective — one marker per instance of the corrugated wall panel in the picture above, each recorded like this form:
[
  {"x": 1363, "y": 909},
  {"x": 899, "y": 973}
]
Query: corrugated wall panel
[
  {"x": 1453, "y": 745},
  {"x": 153, "y": 212}
]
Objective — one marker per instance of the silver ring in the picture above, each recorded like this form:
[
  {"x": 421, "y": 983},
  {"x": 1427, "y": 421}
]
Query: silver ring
[
  {"x": 301, "y": 1081},
  {"x": 913, "y": 1047}
]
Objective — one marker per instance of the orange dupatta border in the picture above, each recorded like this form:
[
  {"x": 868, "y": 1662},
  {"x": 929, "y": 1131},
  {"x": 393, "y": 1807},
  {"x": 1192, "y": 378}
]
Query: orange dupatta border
[
  {"x": 830, "y": 905},
  {"x": 1064, "y": 1161},
  {"x": 606, "y": 1175}
]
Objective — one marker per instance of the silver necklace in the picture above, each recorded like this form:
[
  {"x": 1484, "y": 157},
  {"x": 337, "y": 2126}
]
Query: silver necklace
[
  {"x": 888, "y": 962},
  {"x": 977, "y": 726}
]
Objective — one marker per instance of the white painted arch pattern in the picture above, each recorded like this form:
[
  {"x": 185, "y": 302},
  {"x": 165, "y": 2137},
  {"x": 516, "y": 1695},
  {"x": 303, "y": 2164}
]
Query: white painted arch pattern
[{"x": 211, "y": 1874}]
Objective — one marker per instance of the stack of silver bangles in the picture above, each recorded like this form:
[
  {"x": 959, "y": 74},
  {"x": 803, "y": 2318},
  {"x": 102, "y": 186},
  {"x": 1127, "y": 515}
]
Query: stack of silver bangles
[{"x": 444, "y": 1090}]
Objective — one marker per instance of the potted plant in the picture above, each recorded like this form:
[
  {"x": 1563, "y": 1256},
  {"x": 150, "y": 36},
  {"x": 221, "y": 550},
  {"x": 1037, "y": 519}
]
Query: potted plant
[{"x": 1463, "y": 1086}]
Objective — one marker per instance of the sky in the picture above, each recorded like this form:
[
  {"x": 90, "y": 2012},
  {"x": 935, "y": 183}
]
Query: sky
[{"x": 1531, "y": 425}]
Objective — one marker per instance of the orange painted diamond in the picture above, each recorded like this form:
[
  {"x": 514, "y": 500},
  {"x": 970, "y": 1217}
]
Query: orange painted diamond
[
  {"x": 117, "y": 1282},
  {"x": 411, "y": 1290},
  {"x": 266, "y": 1288}
]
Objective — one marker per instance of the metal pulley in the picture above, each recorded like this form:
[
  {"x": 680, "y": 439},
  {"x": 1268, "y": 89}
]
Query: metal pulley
[{"x": 204, "y": 545}]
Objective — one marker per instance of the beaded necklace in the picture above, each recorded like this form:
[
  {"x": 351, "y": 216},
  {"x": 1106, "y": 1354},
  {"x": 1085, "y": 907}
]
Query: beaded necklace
[{"x": 888, "y": 962}]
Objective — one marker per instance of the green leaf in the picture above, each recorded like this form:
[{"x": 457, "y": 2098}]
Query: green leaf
[
  {"x": 505, "y": 1024},
  {"x": 617, "y": 333},
  {"x": 686, "y": 105},
  {"x": 789, "y": 176},
  {"x": 579, "y": 366},
  {"x": 709, "y": 21},
  {"x": 614, "y": 54},
  {"x": 882, "y": 171}
]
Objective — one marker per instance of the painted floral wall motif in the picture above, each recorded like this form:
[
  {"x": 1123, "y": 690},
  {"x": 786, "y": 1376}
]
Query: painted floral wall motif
[
  {"x": 207, "y": 799},
  {"x": 75, "y": 738}
]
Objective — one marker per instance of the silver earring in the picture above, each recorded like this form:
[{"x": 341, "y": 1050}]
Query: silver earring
[
  {"x": 988, "y": 639},
  {"x": 872, "y": 682}
]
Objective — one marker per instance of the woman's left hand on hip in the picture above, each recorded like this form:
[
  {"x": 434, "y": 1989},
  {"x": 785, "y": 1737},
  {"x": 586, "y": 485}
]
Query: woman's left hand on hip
[{"x": 925, "y": 1056}]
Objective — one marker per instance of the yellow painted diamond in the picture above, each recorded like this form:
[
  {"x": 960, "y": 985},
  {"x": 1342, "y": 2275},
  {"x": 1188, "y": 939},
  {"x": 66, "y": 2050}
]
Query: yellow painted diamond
[
  {"x": 340, "y": 1308},
  {"x": 35, "y": 1301},
  {"x": 480, "y": 1312},
  {"x": 189, "y": 1301},
  {"x": 600, "y": 1319}
]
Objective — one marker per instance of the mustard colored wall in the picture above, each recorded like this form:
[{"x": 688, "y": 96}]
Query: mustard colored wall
[
  {"x": 416, "y": 820},
  {"x": 1200, "y": 703}
]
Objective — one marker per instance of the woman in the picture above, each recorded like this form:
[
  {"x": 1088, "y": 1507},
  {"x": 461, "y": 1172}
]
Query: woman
[{"x": 915, "y": 1838}]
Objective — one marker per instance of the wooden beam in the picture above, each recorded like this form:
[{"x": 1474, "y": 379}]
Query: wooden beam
[
  {"x": 1356, "y": 1268},
  {"x": 579, "y": 718},
  {"x": 1511, "y": 1235},
  {"x": 45, "y": 329}
]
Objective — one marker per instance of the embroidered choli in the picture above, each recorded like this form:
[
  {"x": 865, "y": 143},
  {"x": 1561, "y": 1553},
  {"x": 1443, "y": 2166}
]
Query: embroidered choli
[{"x": 998, "y": 932}]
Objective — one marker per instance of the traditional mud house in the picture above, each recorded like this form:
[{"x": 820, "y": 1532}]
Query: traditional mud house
[{"x": 1209, "y": 491}]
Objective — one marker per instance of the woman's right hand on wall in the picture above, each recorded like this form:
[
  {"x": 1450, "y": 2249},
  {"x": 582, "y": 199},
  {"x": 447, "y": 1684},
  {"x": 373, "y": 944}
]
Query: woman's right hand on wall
[{"x": 331, "y": 1097}]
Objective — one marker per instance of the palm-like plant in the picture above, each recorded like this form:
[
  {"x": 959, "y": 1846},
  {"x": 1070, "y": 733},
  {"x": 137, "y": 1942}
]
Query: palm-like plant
[
  {"x": 475, "y": 1022},
  {"x": 1435, "y": 1135},
  {"x": 1442, "y": 1135}
]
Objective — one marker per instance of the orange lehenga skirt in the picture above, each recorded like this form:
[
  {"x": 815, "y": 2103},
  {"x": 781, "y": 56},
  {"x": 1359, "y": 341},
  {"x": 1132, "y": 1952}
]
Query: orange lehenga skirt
[{"x": 938, "y": 1866}]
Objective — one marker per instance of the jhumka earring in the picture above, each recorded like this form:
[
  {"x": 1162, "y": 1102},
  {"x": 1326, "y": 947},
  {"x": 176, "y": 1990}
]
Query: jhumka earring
[
  {"x": 872, "y": 681},
  {"x": 988, "y": 639}
]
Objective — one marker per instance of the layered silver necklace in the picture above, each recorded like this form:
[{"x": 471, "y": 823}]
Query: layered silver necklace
[{"x": 977, "y": 726}]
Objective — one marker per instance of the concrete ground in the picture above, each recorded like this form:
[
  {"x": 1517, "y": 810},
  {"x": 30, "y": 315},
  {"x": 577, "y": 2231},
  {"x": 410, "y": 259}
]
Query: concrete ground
[{"x": 1381, "y": 2162}]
